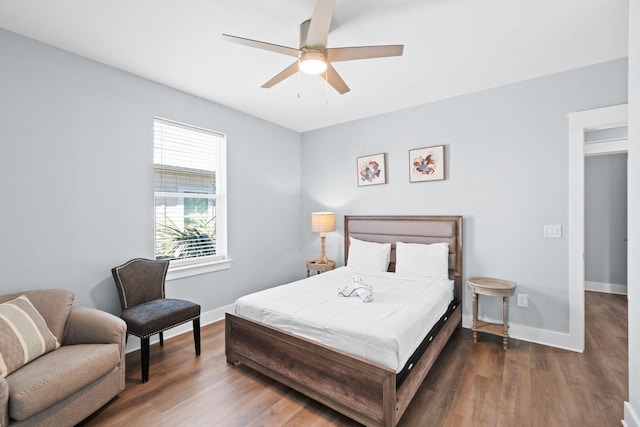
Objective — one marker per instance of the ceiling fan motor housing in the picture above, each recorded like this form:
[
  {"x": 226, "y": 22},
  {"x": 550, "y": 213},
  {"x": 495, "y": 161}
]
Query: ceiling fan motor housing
[{"x": 312, "y": 61}]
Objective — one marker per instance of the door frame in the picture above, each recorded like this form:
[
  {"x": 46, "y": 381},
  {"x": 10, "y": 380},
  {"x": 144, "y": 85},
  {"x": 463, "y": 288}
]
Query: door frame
[{"x": 579, "y": 123}]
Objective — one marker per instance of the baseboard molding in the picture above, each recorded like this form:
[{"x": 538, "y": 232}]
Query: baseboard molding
[
  {"x": 527, "y": 333},
  {"x": 608, "y": 288},
  {"x": 631, "y": 418},
  {"x": 205, "y": 319}
]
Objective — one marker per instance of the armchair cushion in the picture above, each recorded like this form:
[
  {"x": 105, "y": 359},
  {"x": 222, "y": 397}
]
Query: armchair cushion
[
  {"x": 91, "y": 326},
  {"x": 24, "y": 335},
  {"x": 57, "y": 375},
  {"x": 155, "y": 316}
]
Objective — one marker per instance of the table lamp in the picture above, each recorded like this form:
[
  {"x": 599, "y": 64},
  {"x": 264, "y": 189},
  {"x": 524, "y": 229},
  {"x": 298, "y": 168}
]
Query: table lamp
[{"x": 321, "y": 222}]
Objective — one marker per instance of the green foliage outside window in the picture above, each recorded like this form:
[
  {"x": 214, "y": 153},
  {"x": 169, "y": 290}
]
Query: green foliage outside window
[{"x": 196, "y": 239}]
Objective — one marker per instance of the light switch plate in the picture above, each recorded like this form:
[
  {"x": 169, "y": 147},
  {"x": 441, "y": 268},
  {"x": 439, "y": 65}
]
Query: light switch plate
[{"x": 553, "y": 231}]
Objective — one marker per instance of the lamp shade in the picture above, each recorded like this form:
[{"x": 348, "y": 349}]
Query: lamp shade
[{"x": 323, "y": 222}]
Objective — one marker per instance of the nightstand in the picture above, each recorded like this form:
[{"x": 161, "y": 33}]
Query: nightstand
[
  {"x": 312, "y": 265},
  {"x": 497, "y": 288}
]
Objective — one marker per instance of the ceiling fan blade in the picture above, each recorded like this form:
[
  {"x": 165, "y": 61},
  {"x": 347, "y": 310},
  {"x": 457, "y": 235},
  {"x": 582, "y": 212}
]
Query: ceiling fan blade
[
  {"x": 363, "y": 52},
  {"x": 334, "y": 79},
  {"x": 262, "y": 45},
  {"x": 320, "y": 23},
  {"x": 289, "y": 71}
]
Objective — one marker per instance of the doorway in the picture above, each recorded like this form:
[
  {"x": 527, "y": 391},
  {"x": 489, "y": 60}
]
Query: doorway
[
  {"x": 581, "y": 125},
  {"x": 606, "y": 223}
]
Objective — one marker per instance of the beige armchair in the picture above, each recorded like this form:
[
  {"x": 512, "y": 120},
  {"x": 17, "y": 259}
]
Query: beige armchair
[{"x": 68, "y": 384}]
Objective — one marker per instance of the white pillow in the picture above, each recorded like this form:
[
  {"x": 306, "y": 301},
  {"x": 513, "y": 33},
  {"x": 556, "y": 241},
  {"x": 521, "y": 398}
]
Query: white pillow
[
  {"x": 369, "y": 255},
  {"x": 423, "y": 260}
]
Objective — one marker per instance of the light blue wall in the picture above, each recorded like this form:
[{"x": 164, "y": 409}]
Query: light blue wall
[
  {"x": 606, "y": 219},
  {"x": 76, "y": 177},
  {"x": 506, "y": 163}
]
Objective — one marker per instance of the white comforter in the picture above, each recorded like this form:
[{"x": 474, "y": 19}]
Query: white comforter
[{"x": 386, "y": 331}]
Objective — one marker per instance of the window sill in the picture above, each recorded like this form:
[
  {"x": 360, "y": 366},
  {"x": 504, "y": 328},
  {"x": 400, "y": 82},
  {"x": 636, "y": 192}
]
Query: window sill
[{"x": 188, "y": 270}]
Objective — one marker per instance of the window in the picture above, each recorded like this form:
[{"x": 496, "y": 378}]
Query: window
[{"x": 190, "y": 199}]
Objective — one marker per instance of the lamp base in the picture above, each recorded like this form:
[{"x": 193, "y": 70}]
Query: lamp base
[{"x": 323, "y": 256}]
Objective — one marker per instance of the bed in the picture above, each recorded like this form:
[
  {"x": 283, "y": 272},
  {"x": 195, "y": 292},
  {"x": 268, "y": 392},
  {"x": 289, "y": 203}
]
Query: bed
[{"x": 368, "y": 392}]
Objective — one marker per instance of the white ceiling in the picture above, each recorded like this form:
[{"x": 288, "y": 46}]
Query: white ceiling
[{"x": 452, "y": 47}]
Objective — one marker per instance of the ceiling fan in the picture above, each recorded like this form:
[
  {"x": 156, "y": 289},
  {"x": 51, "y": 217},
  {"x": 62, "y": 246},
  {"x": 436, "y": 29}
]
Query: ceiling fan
[{"x": 313, "y": 56}]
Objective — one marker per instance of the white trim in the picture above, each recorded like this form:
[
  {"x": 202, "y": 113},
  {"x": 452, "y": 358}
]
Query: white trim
[
  {"x": 576, "y": 236},
  {"x": 189, "y": 126},
  {"x": 599, "y": 118},
  {"x": 520, "y": 332},
  {"x": 193, "y": 269},
  {"x": 606, "y": 147},
  {"x": 608, "y": 288},
  {"x": 631, "y": 418},
  {"x": 529, "y": 334},
  {"x": 205, "y": 319}
]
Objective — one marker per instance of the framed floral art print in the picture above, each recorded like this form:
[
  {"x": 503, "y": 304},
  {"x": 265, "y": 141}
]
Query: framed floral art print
[
  {"x": 426, "y": 164},
  {"x": 372, "y": 169}
]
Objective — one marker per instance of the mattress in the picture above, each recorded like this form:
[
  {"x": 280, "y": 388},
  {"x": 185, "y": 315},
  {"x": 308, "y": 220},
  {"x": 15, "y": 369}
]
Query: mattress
[{"x": 386, "y": 331}]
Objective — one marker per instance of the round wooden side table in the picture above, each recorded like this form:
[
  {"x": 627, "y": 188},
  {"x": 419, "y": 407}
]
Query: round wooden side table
[
  {"x": 313, "y": 265},
  {"x": 497, "y": 288}
]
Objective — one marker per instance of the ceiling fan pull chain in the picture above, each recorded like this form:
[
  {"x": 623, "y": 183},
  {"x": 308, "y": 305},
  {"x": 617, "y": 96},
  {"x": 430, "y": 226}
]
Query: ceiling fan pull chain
[
  {"x": 299, "y": 84},
  {"x": 326, "y": 88}
]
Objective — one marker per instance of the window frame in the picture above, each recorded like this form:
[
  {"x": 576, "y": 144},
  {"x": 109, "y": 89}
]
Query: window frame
[{"x": 187, "y": 267}]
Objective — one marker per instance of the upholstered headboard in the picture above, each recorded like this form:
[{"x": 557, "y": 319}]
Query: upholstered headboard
[{"x": 410, "y": 229}]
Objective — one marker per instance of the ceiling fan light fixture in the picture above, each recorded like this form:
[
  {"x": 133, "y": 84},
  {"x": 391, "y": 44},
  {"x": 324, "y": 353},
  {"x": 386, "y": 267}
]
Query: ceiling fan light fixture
[{"x": 312, "y": 62}]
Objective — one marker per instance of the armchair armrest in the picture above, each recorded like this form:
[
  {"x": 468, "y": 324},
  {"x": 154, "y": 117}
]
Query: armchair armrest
[
  {"x": 4, "y": 402},
  {"x": 91, "y": 326}
]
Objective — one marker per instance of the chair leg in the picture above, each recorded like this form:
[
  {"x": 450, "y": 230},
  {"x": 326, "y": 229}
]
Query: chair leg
[
  {"x": 144, "y": 356},
  {"x": 161, "y": 339},
  {"x": 196, "y": 335}
]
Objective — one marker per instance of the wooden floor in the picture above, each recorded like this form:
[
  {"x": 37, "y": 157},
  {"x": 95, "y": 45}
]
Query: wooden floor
[{"x": 470, "y": 385}]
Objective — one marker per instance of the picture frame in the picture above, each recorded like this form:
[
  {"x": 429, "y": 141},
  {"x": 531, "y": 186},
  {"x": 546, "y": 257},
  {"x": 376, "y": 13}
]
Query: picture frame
[
  {"x": 371, "y": 169},
  {"x": 427, "y": 164}
]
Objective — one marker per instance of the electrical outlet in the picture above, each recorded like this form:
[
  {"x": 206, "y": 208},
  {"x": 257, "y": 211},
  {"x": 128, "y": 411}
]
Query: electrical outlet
[{"x": 523, "y": 300}]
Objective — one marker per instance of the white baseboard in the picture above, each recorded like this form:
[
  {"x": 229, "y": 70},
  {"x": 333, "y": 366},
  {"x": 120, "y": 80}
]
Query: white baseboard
[
  {"x": 527, "y": 333},
  {"x": 631, "y": 418},
  {"x": 205, "y": 319},
  {"x": 608, "y": 288}
]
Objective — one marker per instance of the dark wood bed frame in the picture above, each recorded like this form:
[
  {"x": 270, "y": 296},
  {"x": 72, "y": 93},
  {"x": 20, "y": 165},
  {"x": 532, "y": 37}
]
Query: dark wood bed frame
[{"x": 357, "y": 388}]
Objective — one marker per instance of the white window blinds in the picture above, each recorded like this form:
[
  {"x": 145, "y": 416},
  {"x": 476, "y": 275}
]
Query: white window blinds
[{"x": 189, "y": 192}]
